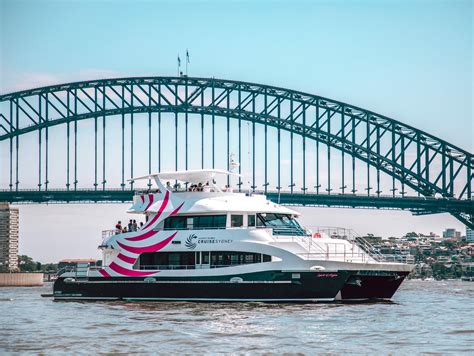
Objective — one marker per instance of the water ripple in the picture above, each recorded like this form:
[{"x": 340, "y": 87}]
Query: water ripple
[{"x": 428, "y": 318}]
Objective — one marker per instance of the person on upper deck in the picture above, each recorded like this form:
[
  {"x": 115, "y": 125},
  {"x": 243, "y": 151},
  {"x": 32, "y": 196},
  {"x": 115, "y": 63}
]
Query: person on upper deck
[{"x": 118, "y": 227}]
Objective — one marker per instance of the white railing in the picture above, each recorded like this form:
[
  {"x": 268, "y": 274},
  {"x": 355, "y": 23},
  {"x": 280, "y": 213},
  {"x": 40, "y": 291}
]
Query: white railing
[
  {"x": 324, "y": 250},
  {"x": 360, "y": 250},
  {"x": 354, "y": 238},
  {"x": 108, "y": 233}
]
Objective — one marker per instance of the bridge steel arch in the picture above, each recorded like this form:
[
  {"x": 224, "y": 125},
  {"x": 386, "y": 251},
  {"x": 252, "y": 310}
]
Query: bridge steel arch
[{"x": 430, "y": 166}]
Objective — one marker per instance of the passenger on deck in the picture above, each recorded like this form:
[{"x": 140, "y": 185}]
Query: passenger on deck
[
  {"x": 134, "y": 225},
  {"x": 130, "y": 225},
  {"x": 124, "y": 230},
  {"x": 199, "y": 187},
  {"x": 118, "y": 227},
  {"x": 141, "y": 225},
  {"x": 168, "y": 185},
  {"x": 206, "y": 188}
]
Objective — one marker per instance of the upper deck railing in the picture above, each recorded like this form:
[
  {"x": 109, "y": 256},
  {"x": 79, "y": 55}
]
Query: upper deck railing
[{"x": 353, "y": 237}]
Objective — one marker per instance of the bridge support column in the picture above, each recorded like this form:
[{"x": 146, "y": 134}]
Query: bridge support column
[{"x": 9, "y": 234}]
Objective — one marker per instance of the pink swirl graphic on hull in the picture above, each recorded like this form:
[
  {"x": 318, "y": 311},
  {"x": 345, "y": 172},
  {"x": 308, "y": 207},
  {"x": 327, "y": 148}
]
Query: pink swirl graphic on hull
[
  {"x": 129, "y": 272},
  {"x": 144, "y": 236},
  {"x": 152, "y": 248},
  {"x": 160, "y": 210},
  {"x": 127, "y": 259},
  {"x": 175, "y": 211},
  {"x": 150, "y": 201},
  {"x": 104, "y": 273},
  {"x": 122, "y": 264}
]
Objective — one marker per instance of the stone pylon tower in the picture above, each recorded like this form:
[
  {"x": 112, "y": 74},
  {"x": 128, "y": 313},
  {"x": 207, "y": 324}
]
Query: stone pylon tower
[{"x": 9, "y": 233}]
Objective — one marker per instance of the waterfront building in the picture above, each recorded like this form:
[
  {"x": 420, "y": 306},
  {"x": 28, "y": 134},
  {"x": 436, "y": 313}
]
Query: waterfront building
[
  {"x": 451, "y": 233},
  {"x": 9, "y": 233},
  {"x": 469, "y": 235},
  {"x": 75, "y": 262}
]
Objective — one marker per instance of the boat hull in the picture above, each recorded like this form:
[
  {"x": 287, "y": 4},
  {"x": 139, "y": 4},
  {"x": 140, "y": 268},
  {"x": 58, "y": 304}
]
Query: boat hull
[
  {"x": 372, "y": 285},
  {"x": 269, "y": 286}
]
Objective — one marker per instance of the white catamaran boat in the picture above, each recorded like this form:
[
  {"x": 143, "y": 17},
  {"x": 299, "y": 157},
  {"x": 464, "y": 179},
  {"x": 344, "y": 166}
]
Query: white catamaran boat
[{"x": 209, "y": 244}]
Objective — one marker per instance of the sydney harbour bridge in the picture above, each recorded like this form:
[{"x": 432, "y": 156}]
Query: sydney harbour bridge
[{"x": 85, "y": 141}]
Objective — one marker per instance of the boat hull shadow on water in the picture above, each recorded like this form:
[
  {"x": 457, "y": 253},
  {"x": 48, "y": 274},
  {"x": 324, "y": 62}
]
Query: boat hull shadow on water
[{"x": 270, "y": 286}]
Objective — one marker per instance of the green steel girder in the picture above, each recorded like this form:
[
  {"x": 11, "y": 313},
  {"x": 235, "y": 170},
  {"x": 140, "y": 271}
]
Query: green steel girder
[
  {"x": 385, "y": 165},
  {"x": 437, "y": 166}
]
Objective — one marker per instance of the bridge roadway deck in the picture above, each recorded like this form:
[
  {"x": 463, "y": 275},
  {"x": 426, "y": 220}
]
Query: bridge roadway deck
[{"x": 418, "y": 205}]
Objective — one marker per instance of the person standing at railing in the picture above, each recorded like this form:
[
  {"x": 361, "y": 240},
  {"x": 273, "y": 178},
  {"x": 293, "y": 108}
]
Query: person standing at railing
[
  {"x": 130, "y": 225},
  {"x": 118, "y": 227},
  {"x": 141, "y": 225},
  {"x": 135, "y": 225}
]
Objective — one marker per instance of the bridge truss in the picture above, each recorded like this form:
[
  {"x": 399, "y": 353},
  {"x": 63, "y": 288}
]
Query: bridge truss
[{"x": 337, "y": 154}]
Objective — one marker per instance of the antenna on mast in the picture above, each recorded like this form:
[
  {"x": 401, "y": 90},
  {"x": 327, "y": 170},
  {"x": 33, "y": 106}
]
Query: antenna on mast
[
  {"x": 179, "y": 64},
  {"x": 187, "y": 61}
]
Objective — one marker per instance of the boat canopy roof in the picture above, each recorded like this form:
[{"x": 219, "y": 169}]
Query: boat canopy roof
[{"x": 190, "y": 176}]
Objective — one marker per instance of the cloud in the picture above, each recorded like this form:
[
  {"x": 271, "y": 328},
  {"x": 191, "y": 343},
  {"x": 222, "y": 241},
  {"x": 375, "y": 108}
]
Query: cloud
[
  {"x": 95, "y": 73},
  {"x": 30, "y": 80},
  {"x": 21, "y": 81}
]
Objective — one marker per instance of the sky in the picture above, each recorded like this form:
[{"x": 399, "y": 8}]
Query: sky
[{"x": 409, "y": 60}]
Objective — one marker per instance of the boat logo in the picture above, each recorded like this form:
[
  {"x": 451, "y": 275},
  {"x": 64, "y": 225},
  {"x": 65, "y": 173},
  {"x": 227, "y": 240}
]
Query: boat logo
[{"x": 190, "y": 243}]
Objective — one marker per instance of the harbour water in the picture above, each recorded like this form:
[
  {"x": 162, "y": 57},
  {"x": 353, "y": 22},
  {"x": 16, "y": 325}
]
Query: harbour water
[{"x": 424, "y": 317}]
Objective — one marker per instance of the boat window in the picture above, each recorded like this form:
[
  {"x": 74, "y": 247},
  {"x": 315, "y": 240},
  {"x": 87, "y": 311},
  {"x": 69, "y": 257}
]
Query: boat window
[
  {"x": 196, "y": 222},
  {"x": 251, "y": 220},
  {"x": 189, "y": 260},
  {"x": 236, "y": 220},
  {"x": 175, "y": 222},
  {"x": 231, "y": 258},
  {"x": 167, "y": 260},
  {"x": 282, "y": 224},
  {"x": 260, "y": 221},
  {"x": 189, "y": 223},
  {"x": 277, "y": 220},
  {"x": 210, "y": 221}
]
